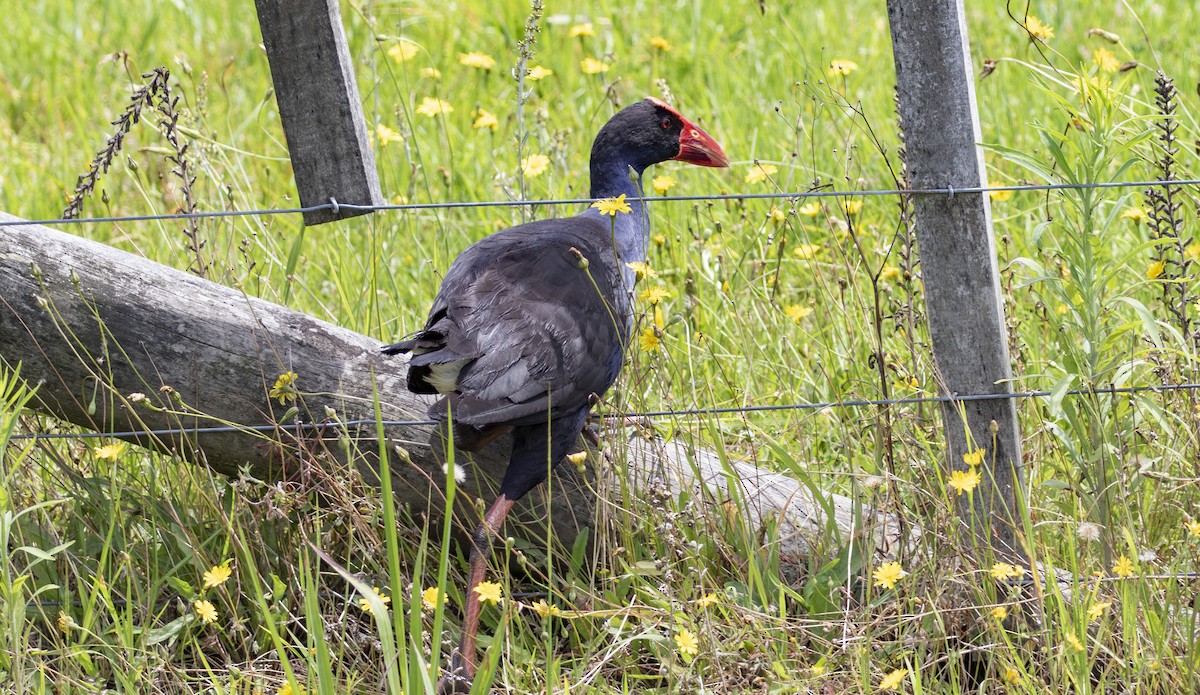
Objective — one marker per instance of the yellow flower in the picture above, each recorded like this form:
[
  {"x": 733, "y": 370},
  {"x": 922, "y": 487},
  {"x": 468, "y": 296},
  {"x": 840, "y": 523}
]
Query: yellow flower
[
  {"x": 217, "y": 576},
  {"x": 796, "y": 312},
  {"x": 893, "y": 680},
  {"x": 964, "y": 481},
  {"x": 431, "y": 73},
  {"x": 658, "y": 43},
  {"x": 537, "y": 72},
  {"x": 431, "y": 597},
  {"x": 641, "y": 270},
  {"x": 286, "y": 689},
  {"x": 65, "y": 623},
  {"x": 852, "y": 207},
  {"x": 841, "y": 67},
  {"x": 1074, "y": 642},
  {"x": 1001, "y": 196},
  {"x": 999, "y": 613},
  {"x": 403, "y": 51},
  {"x": 1038, "y": 31},
  {"x": 205, "y": 611},
  {"x": 585, "y": 29},
  {"x": 577, "y": 458},
  {"x": 1096, "y": 610},
  {"x": 810, "y": 209},
  {"x": 654, "y": 295},
  {"x": 545, "y": 610},
  {"x": 612, "y": 206},
  {"x": 1106, "y": 60},
  {"x": 365, "y": 605},
  {"x": 1193, "y": 250},
  {"x": 485, "y": 119},
  {"x": 1193, "y": 527},
  {"x": 687, "y": 644},
  {"x": 432, "y": 107},
  {"x": 592, "y": 66},
  {"x": 284, "y": 389},
  {"x": 1137, "y": 213},
  {"x": 648, "y": 340},
  {"x": 890, "y": 272},
  {"x": 1002, "y": 571},
  {"x": 1155, "y": 270},
  {"x": 386, "y": 135},
  {"x": 807, "y": 252},
  {"x": 110, "y": 452},
  {"x": 1123, "y": 568},
  {"x": 662, "y": 184},
  {"x": 776, "y": 216},
  {"x": 1012, "y": 676},
  {"x": 658, "y": 239},
  {"x": 974, "y": 458},
  {"x": 887, "y": 574},
  {"x": 759, "y": 172},
  {"x": 478, "y": 60},
  {"x": 488, "y": 592},
  {"x": 535, "y": 165},
  {"x": 709, "y": 599}
]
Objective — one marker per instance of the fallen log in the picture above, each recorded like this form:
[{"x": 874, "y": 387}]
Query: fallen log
[{"x": 120, "y": 344}]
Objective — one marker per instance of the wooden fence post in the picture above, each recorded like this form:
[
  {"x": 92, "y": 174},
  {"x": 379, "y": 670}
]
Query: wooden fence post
[
  {"x": 958, "y": 256},
  {"x": 319, "y": 106}
]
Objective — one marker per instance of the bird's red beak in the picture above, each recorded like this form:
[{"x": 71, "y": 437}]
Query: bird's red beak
[{"x": 695, "y": 145}]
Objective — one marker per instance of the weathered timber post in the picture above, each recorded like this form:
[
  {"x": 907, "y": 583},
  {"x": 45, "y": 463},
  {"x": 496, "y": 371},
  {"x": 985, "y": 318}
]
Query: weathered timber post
[
  {"x": 319, "y": 106},
  {"x": 958, "y": 255}
]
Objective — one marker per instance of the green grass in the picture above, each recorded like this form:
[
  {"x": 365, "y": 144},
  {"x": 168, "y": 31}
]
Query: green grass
[{"x": 104, "y": 556}]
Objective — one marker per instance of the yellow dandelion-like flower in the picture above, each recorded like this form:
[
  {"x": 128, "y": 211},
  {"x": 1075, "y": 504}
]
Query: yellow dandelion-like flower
[
  {"x": 205, "y": 610},
  {"x": 658, "y": 43},
  {"x": 581, "y": 30},
  {"x": 1123, "y": 568},
  {"x": 1097, "y": 610},
  {"x": 1155, "y": 270},
  {"x": 1106, "y": 60},
  {"x": 687, "y": 644},
  {"x": 65, "y": 623},
  {"x": 965, "y": 481},
  {"x": 431, "y": 73},
  {"x": 1137, "y": 213},
  {"x": 893, "y": 680},
  {"x": 284, "y": 388},
  {"x": 475, "y": 59},
  {"x": 485, "y": 119},
  {"x": 658, "y": 239},
  {"x": 662, "y": 184},
  {"x": 1193, "y": 250},
  {"x": 433, "y": 107},
  {"x": 852, "y": 207},
  {"x": 810, "y": 209},
  {"x": 807, "y": 252},
  {"x": 545, "y": 610},
  {"x": 797, "y": 312},
  {"x": 386, "y": 135},
  {"x": 286, "y": 689},
  {"x": 759, "y": 172},
  {"x": 1002, "y": 571},
  {"x": 613, "y": 206},
  {"x": 776, "y": 216},
  {"x": 403, "y": 51},
  {"x": 642, "y": 270},
  {"x": 535, "y": 165},
  {"x": 974, "y": 458},
  {"x": 999, "y": 613},
  {"x": 593, "y": 66},
  {"x": 577, "y": 458},
  {"x": 537, "y": 72},
  {"x": 488, "y": 592},
  {"x": 819, "y": 668},
  {"x": 1012, "y": 676},
  {"x": 887, "y": 574},
  {"x": 110, "y": 452},
  {"x": 1193, "y": 527},
  {"x": 1074, "y": 642},
  {"x": 1038, "y": 30},
  {"x": 841, "y": 68},
  {"x": 431, "y": 597},
  {"x": 709, "y": 599},
  {"x": 648, "y": 340},
  {"x": 890, "y": 272},
  {"x": 1001, "y": 196},
  {"x": 218, "y": 575},
  {"x": 365, "y": 605},
  {"x": 654, "y": 295}
]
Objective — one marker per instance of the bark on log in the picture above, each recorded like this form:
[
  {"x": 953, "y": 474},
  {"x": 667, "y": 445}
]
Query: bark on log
[{"x": 93, "y": 325}]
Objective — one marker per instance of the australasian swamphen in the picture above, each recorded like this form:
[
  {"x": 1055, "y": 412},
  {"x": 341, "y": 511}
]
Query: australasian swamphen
[{"x": 524, "y": 334}]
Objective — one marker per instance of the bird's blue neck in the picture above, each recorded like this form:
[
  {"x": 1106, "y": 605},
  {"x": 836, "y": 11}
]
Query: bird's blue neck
[{"x": 631, "y": 230}]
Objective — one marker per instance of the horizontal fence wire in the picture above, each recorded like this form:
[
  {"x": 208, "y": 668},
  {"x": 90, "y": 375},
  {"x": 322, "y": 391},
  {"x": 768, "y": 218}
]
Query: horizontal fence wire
[
  {"x": 335, "y": 206},
  {"x": 334, "y": 427}
]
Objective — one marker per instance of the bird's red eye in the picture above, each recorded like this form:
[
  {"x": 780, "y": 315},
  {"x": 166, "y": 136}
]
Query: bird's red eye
[{"x": 666, "y": 122}]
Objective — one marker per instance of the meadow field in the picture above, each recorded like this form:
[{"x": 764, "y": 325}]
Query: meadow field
[{"x": 124, "y": 570}]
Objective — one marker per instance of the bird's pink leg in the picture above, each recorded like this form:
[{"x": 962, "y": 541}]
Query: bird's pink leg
[{"x": 462, "y": 662}]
